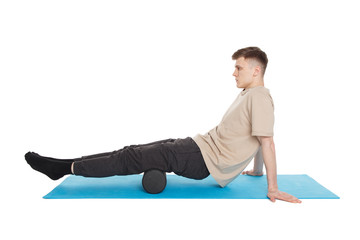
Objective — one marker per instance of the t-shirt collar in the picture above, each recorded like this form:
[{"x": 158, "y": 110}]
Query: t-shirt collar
[{"x": 244, "y": 91}]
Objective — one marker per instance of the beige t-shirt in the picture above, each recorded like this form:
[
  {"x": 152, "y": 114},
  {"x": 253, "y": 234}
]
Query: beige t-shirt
[{"x": 229, "y": 147}]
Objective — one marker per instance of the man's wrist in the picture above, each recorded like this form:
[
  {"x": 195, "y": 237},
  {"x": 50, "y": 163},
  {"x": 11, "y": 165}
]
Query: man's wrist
[
  {"x": 258, "y": 172},
  {"x": 273, "y": 189}
]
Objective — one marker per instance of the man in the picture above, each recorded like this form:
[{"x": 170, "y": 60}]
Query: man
[{"x": 245, "y": 132}]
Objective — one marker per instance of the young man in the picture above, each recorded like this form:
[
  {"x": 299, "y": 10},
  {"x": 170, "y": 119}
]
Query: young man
[{"x": 245, "y": 132}]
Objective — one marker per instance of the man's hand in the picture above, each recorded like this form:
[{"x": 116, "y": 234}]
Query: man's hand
[
  {"x": 276, "y": 194},
  {"x": 252, "y": 173}
]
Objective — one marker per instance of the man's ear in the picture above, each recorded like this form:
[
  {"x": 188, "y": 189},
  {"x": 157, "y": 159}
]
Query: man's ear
[{"x": 257, "y": 70}]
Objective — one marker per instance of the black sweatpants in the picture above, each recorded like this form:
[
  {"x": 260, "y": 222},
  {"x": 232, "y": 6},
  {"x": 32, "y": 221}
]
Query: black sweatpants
[{"x": 181, "y": 156}]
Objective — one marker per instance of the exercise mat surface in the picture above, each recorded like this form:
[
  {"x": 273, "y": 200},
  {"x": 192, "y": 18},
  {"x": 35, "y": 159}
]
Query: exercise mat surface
[{"x": 243, "y": 187}]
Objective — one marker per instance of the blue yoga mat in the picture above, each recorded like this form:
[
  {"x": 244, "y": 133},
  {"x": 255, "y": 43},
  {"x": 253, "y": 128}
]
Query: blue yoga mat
[{"x": 243, "y": 187}]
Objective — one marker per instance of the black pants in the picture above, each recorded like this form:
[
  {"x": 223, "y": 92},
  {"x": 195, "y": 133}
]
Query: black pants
[{"x": 181, "y": 156}]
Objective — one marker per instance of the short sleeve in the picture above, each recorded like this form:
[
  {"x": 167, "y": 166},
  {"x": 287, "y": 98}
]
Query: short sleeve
[{"x": 262, "y": 115}]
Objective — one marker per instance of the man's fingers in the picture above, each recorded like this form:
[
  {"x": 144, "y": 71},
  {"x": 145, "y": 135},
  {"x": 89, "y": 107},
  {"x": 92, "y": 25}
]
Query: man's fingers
[
  {"x": 294, "y": 199},
  {"x": 283, "y": 196},
  {"x": 289, "y": 198}
]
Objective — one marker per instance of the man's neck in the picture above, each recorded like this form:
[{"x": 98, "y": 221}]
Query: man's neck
[
  {"x": 256, "y": 83},
  {"x": 253, "y": 87}
]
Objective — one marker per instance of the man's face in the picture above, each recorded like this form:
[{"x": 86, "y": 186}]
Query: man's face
[{"x": 243, "y": 73}]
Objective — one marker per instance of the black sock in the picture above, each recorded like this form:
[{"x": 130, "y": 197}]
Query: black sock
[{"x": 52, "y": 167}]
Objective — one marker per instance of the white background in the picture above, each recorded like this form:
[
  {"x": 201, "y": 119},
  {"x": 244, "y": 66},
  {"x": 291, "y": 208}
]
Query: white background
[{"x": 84, "y": 77}]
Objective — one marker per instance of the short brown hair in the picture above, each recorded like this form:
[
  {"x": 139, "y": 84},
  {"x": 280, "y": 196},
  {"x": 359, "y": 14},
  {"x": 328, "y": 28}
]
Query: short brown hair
[{"x": 252, "y": 53}]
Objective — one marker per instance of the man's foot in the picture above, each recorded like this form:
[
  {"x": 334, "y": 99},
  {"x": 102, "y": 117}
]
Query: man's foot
[{"x": 52, "y": 167}]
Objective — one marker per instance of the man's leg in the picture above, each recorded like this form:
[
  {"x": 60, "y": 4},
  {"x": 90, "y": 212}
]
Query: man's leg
[
  {"x": 56, "y": 168},
  {"x": 181, "y": 156},
  {"x": 104, "y": 154},
  {"x": 188, "y": 160},
  {"x": 133, "y": 159}
]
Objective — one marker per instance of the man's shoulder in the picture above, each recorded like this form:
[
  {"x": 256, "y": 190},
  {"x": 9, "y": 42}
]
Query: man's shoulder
[
  {"x": 261, "y": 95},
  {"x": 260, "y": 91}
]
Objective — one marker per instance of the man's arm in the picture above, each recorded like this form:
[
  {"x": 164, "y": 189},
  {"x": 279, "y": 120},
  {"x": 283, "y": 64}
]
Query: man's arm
[
  {"x": 268, "y": 152},
  {"x": 258, "y": 165}
]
